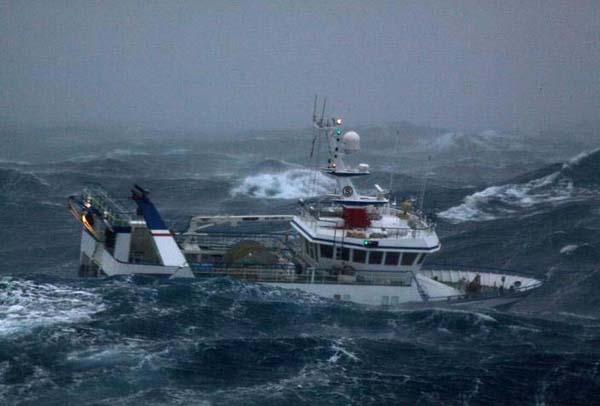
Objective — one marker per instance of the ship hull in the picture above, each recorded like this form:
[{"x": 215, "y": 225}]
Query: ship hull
[
  {"x": 372, "y": 295},
  {"x": 96, "y": 260}
]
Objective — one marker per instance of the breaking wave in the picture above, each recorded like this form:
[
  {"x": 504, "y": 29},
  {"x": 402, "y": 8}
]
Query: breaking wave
[
  {"x": 221, "y": 341},
  {"x": 25, "y": 305},
  {"x": 571, "y": 183},
  {"x": 15, "y": 184},
  {"x": 113, "y": 154},
  {"x": 290, "y": 184}
]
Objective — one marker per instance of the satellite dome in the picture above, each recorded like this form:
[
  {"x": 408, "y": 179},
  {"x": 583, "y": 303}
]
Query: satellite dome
[{"x": 351, "y": 142}]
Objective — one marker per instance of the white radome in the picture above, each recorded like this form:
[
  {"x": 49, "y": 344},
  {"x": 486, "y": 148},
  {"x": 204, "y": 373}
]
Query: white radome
[{"x": 351, "y": 141}]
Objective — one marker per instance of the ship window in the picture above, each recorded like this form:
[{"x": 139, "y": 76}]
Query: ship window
[
  {"x": 391, "y": 258},
  {"x": 326, "y": 251},
  {"x": 408, "y": 258},
  {"x": 109, "y": 240},
  {"x": 307, "y": 246},
  {"x": 359, "y": 256},
  {"x": 385, "y": 300},
  {"x": 375, "y": 257},
  {"x": 421, "y": 259},
  {"x": 394, "y": 301},
  {"x": 342, "y": 253},
  {"x": 310, "y": 250}
]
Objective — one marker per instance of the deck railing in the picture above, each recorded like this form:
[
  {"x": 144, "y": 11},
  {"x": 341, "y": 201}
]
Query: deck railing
[
  {"x": 115, "y": 213},
  {"x": 287, "y": 273},
  {"x": 486, "y": 292},
  {"x": 314, "y": 221}
]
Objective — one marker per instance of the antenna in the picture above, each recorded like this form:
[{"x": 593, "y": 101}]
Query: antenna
[
  {"x": 312, "y": 147},
  {"x": 424, "y": 184},
  {"x": 395, "y": 154},
  {"x": 316, "y": 141},
  {"x": 323, "y": 111},
  {"x": 314, "y": 119}
]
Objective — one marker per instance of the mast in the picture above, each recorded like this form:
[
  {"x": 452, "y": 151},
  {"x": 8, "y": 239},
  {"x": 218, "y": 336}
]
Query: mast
[{"x": 340, "y": 144}]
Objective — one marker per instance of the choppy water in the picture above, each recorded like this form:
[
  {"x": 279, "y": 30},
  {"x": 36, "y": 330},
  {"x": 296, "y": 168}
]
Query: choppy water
[{"x": 65, "y": 340}]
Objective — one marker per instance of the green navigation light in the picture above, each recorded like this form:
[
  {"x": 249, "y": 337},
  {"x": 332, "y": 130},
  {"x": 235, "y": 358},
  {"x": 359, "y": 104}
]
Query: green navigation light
[{"x": 338, "y": 131}]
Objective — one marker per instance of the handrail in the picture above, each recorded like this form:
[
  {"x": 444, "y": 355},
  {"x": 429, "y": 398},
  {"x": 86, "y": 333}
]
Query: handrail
[
  {"x": 511, "y": 291},
  {"x": 313, "y": 218},
  {"x": 286, "y": 273},
  {"x": 526, "y": 273},
  {"x": 100, "y": 199}
]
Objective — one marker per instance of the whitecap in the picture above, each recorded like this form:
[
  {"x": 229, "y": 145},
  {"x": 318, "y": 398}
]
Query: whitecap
[
  {"x": 578, "y": 158},
  {"x": 25, "y": 305},
  {"x": 568, "y": 249},
  {"x": 340, "y": 351},
  {"x": 510, "y": 199},
  {"x": 291, "y": 184}
]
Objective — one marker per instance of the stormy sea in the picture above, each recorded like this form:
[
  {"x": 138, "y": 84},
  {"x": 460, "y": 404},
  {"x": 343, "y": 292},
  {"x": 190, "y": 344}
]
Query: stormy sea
[{"x": 512, "y": 201}]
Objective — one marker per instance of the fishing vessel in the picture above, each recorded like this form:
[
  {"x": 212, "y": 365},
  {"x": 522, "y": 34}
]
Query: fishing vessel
[{"x": 345, "y": 246}]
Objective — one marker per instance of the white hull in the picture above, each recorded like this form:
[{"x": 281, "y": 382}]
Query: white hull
[
  {"x": 376, "y": 295},
  {"x": 427, "y": 285},
  {"x": 99, "y": 261},
  {"x": 368, "y": 295}
]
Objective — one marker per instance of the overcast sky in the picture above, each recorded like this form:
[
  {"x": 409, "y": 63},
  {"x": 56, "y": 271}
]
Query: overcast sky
[{"x": 203, "y": 65}]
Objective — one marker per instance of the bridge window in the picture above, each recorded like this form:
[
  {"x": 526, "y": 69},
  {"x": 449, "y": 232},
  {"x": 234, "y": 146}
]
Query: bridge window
[
  {"x": 326, "y": 251},
  {"x": 421, "y": 259},
  {"x": 359, "y": 256},
  {"x": 408, "y": 258},
  {"x": 311, "y": 249},
  {"x": 391, "y": 258},
  {"x": 342, "y": 253},
  {"x": 375, "y": 257}
]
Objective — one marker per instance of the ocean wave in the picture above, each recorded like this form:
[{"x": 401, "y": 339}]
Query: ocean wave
[
  {"x": 507, "y": 200},
  {"x": 12, "y": 162},
  {"x": 568, "y": 249},
  {"x": 176, "y": 151},
  {"x": 25, "y": 305},
  {"x": 242, "y": 291},
  {"x": 579, "y": 158},
  {"x": 273, "y": 166},
  {"x": 566, "y": 185},
  {"x": 16, "y": 184},
  {"x": 340, "y": 351},
  {"x": 290, "y": 184},
  {"x": 112, "y": 154},
  {"x": 487, "y": 140}
]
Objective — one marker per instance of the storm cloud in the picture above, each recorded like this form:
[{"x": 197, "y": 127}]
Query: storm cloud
[{"x": 203, "y": 65}]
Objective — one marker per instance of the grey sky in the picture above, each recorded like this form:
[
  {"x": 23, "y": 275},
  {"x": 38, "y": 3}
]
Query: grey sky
[{"x": 522, "y": 64}]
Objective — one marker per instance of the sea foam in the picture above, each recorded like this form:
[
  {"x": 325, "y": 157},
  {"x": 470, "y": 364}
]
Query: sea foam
[
  {"x": 25, "y": 305},
  {"x": 290, "y": 184}
]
